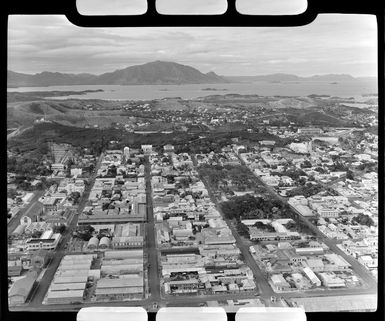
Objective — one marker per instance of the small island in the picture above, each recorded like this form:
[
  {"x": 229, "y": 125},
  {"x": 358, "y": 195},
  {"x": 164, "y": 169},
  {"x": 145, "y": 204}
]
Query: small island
[{"x": 214, "y": 89}]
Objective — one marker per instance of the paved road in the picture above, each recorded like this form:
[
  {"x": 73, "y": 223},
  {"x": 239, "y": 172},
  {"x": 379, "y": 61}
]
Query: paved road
[
  {"x": 357, "y": 267},
  {"x": 151, "y": 244},
  {"x": 189, "y": 300},
  {"x": 42, "y": 287},
  {"x": 32, "y": 209},
  {"x": 154, "y": 280},
  {"x": 263, "y": 285}
]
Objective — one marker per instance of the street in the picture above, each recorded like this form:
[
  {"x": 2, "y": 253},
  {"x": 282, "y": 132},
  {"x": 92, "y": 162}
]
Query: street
[
  {"x": 42, "y": 287},
  {"x": 356, "y": 266},
  {"x": 151, "y": 243},
  {"x": 264, "y": 290}
]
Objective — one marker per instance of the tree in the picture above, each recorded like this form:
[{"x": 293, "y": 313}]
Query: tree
[
  {"x": 291, "y": 225},
  {"x": 350, "y": 175},
  {"x": 75, "y": 196},
  {"x": 363, "y": 219},
  {"x": 306, "y": 164},
  {"x": 84, "y": 232},
  {"x": 59, "y": 229},
  {"x": 36, "y": 234},
  {"x": 243, "y": 230},
  {"x": 11, "y": 193}
]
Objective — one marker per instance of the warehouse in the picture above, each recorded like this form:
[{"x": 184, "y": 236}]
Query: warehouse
[
  {"x": 118, "y": 294},
  {"x": 70, "y": 272},
  {"x": 138, "y": 260},
  {"x": 75, "y": 266},
  {"x": 123, "y": 254},
  {"x": 104, "y": 243},
  {"x": 77, "y": 259},
  {"x": 121, "y": 269},
  {"x": 120, "y": 289},
  {"x": 93, "y": 243},
  {"x": 69, "y": 279},
  {"x": 64, "y": 297},
  {"x": 311, "y": 276},
  {"x": 67, "y": 286}
]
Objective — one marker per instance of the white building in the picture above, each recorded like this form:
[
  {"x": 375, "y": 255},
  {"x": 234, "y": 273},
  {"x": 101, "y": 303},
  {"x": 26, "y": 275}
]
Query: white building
[
  {"x": 311, "y": 276},
  {"x": 303, "y": 148}
]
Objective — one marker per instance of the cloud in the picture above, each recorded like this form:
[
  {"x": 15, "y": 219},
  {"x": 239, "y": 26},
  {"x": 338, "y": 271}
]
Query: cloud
[{"x": 328, "y": 45}]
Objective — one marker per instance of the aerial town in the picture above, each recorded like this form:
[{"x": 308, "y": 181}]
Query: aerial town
[
  {"x": 286, "y": 221},
  {"x": 161, "y": 165}
]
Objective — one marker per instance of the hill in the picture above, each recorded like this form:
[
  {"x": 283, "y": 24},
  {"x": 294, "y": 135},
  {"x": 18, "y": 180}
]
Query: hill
[
  {"x": 152, "y": 73},
  {"x": 289, "y": 77}
]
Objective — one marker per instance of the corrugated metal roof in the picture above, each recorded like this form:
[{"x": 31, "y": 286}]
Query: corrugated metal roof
[{"x": 120, "y": 283}]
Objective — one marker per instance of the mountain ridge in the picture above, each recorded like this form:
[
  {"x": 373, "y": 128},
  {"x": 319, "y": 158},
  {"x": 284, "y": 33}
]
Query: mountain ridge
[
  {"x": 278, "y": 77},
  {"x": 157, "y": 73},
  {"x": 152, "y": 73}
]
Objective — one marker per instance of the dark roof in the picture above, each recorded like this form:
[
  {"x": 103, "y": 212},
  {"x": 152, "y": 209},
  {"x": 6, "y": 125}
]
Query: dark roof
[{"x": 41, "y": 240}]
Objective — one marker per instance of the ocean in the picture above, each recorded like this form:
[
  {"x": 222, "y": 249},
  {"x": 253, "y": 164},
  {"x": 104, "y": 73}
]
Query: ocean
[{"x": 148, "y": 92}]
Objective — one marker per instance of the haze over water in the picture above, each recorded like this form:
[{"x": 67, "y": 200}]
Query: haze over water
[{"x": 147, "y": 92}]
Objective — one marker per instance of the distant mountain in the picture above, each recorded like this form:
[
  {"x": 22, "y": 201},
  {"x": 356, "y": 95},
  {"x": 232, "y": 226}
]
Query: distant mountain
[
  {"x": 48, "y": 79},
  {"x": 153, "y": 73},
  {"x": 289, "y": 77},
  {"x": 272, "y": 77},
  {"x": 330, "y": 77}
]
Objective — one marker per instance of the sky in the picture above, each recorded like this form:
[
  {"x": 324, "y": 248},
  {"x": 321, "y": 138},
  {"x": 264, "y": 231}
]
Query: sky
[{"x": 332, "y": 43}]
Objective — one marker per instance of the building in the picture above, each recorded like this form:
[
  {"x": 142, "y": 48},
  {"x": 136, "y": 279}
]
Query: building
[
  {"x": 303, "y": 148},
  {"x": 120, "y": 289},
  {"x": 104, "y": 243},
  {"x": 183, "y": 286},
  {"x": 267, "y": 142},
  {"x": 278, "y": 282},
  {"x": 311, "y": 276},
  {"x": 309, "y": 251},
  {"x": 259, "y": 235},
  {"x": 147, "y": 149},
  {"x": 57, "y": 167},
  {"x": 330, "y": 280},
  {"x": 65, "y": 297},
  {"x": 126, "y": 152},
  {"x": 168, "y": 148},
  {"x": 21, "y": 289},
  {"x": 93, "y": 243},
  {"x": 76, "y": 172},
  {"x": 14, "y": 267},
  {"x": 46, "y": 243},
  {"x": 326, "y": 211},
  {"x": 309, "y": 131}
]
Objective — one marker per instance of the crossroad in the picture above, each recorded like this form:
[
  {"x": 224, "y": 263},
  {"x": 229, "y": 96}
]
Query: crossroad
[
  {"x": 155, "y": 300},
  {"x": 151, "y": 243},
  {"x": 357, "y": 267},
  {"x": 42, "y": 287}
]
